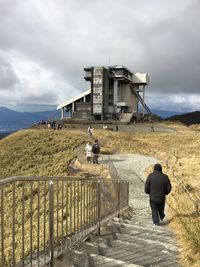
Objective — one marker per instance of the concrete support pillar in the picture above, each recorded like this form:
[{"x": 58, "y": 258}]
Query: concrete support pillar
[
  {"x": 72, "y": 109},
  {"x": 115, "y": 95},
  {"x": 62, "y": 113},
  {"x": 143, "y": 109},
  {"x": 84, "y": 99}
]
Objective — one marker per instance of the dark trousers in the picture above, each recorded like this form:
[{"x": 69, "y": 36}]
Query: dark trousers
[
  {"x": 95, "y": 158},
  {"x": 157, "y": 210}
]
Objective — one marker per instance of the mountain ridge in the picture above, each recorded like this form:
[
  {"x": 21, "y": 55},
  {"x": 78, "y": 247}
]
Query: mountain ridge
[
  {"x": 11, "y": 120},
  {"x": 186, "y": 118}
]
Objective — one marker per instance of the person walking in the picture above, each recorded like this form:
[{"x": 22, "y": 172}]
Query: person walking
[
  {"x": 95, "y": 151},
  {"x": 157, "y": 186},
  {"x": 88, "y": 150}
]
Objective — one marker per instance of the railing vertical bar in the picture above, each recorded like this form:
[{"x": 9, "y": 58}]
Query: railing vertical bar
[
  {"x": 91, "y": 203},
  {"x": 57, "y": 219},
  {"x": 84, "y": 205},
  {"x": 81, "y": 211},
  {"x": 78, "y": 204},
  {"x": 127, "y": 193},
  {"x": 31, "y": 224},
  {"x": 45, "y": 188},
  {"x": 62, "y": 214},
  {"x": 119, "y": 196},
  {"x": 87, "y": 200},
  {"x": 13, "y": 225},
  {"x": 51, "y": 223},
  {"x": 38, "y": 224},
  {"x": 22, "y": 223},
  {"x": 93, "y": 186},
  {"x": 67, "y": 213},
  {"x": 96, "y": 202},
  {"x": 70, "y": 211},
  {"x": 99, "y": 206},
  {"x": 74, "y": 183},
  {"x": 2, "y": 226}
]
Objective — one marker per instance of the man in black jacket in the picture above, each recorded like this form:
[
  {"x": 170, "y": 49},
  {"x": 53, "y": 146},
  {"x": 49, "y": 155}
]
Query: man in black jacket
[
  {"x": 157, "y": 186},
  {"x": 96, "y": 151}
]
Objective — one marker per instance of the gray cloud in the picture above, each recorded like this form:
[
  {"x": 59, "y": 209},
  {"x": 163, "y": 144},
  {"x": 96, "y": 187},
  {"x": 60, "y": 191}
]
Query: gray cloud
[
  {"x": 54, "y": 41},
  {"x": 8, "y": 79}
]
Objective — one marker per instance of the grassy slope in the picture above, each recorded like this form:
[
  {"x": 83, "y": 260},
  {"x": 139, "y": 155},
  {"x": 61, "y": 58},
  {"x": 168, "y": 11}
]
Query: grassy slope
[
  {"x": 47, "y": 152},
  {"x": 38, "y": 152},
  {"x": 32, "y": 153}
]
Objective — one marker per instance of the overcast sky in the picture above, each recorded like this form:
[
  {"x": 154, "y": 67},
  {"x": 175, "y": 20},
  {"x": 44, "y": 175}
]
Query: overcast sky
[{"x": 45, "y": 44}]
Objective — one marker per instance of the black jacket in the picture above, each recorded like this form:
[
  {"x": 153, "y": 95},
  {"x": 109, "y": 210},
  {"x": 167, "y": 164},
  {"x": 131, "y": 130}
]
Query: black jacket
[
  {"x": 96, "y": 148},
  {"x": 157, "y": 186}
]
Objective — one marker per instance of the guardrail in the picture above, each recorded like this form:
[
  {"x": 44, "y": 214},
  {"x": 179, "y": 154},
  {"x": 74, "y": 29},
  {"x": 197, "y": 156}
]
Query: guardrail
[{"x": 43, "y": 217}]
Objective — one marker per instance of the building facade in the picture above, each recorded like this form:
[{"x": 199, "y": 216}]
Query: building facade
[{"x": 115, "y": 93}]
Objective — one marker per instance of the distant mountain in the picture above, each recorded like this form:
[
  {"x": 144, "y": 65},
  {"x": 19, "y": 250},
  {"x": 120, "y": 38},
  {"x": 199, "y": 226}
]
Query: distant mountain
[
  {"x": 187, "y": 118},
  {"x": 165, "y": 113},
  {"x": 12, "y": 120}
]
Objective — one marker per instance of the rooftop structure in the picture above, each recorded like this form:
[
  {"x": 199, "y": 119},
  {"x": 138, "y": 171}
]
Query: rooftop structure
[{"x": 115, "y": 93}]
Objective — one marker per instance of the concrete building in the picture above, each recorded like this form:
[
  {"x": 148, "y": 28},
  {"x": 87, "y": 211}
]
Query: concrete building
[{"x": 115, "y": 93}]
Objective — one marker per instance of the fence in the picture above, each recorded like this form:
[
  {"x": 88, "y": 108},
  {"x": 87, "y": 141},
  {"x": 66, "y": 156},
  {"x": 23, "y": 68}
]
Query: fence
[{"x": 43, "y": 217}]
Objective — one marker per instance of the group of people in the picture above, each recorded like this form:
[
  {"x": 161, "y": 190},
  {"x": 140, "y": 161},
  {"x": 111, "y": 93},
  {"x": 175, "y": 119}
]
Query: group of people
[{"x": 92, "y": 151}]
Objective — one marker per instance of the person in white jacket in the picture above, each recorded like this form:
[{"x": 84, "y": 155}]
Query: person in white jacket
[{"x": 88, "y": 150}]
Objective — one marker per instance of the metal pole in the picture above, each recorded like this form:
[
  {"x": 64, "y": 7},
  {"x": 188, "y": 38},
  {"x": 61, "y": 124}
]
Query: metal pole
[
  {"x": 99, "y": 206},
  {"x": 119, "y": 188},
  {"x": 2, "y": 226},
  {"x": 143, "y": 98},
  {"x": 51, "y": 223},
  {"x": 127, "y": 193}
]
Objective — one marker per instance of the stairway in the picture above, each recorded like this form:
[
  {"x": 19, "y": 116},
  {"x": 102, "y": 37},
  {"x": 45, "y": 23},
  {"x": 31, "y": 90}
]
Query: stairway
[
  {"x": 126, "y": 117},
  {"x": 129, "y": 242},
  {"x": 132, "y": 240}
]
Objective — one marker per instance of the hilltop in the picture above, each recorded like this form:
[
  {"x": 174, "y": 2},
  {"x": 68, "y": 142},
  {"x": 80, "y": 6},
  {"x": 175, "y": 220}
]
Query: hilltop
[{"x": 187, "y": 118}]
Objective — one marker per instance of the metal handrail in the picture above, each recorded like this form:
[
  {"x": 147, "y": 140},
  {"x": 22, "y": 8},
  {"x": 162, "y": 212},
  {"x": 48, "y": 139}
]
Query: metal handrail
[{"x": 43, "y": 217}]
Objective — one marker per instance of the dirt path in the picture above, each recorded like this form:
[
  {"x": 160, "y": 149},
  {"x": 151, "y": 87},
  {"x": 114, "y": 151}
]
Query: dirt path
[{"x": 131, "y": 167}]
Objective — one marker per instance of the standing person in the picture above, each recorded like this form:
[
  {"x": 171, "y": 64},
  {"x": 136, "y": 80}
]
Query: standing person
[
  {"x": 96, "y": 151},
  {"x": 88, "y": 150},
  {"x": 90, "y": 130},
  {"x": 157, "y": 186},
  {"x": 152, "y": 128}
]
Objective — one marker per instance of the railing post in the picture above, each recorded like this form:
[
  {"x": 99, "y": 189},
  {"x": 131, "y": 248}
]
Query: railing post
[
  {"x": 119, "y": 196},
  {"x": 99, "y": 206},
  {"x": 127, "y": 193},
  {"x": 51, "y": 223}
]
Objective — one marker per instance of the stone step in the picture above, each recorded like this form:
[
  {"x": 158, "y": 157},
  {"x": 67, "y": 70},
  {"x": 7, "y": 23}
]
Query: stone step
[
  {"x": 82, "y": 259},
  {"x": 141, "y": 230},
  {"x": 126, "y": 242}
]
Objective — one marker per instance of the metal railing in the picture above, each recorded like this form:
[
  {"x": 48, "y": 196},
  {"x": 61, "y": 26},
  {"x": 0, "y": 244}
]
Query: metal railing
[{"x": 43, "y": 217}]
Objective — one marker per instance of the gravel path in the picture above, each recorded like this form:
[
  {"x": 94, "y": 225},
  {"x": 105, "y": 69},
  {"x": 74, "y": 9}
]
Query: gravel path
[{"x": 131, "y": 167}]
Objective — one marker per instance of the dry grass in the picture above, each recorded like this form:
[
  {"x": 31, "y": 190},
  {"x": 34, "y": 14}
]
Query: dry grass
[{"x": 38, "y": 152}]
